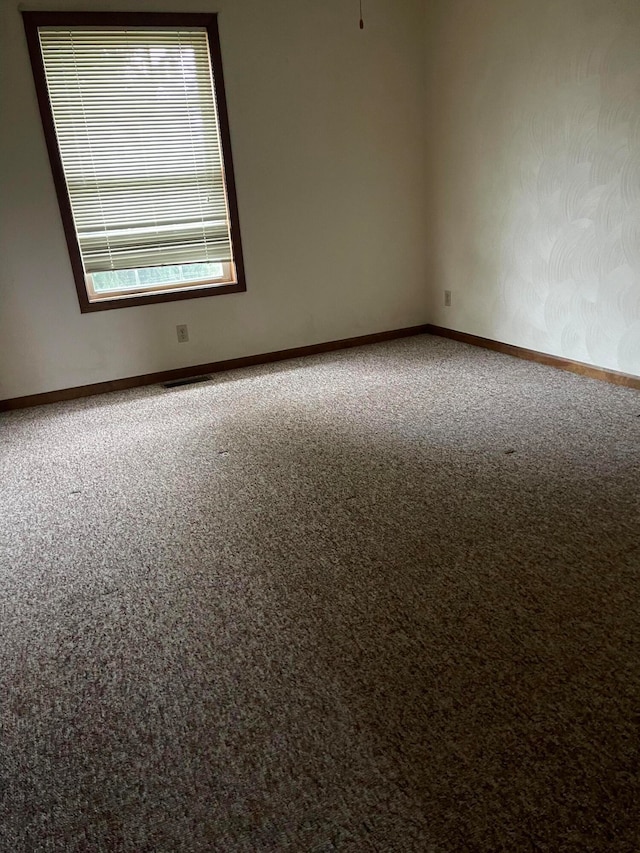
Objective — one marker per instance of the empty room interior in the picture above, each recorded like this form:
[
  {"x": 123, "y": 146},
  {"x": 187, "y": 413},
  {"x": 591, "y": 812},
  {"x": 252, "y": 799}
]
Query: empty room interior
[{"x": 320, "y": 426}]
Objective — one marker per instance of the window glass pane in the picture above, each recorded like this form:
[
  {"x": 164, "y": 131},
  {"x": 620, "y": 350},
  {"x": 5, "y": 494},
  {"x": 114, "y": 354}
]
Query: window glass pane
[{"x": 149, "y": 276}]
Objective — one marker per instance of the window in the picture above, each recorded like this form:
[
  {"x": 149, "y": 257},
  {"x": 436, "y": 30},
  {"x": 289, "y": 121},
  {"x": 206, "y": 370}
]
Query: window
[{"x": 135, "y": 119}]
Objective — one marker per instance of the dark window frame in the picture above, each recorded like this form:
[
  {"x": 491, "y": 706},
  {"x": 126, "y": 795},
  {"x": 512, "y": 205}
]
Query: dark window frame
[{"x": 34, "y": 20}]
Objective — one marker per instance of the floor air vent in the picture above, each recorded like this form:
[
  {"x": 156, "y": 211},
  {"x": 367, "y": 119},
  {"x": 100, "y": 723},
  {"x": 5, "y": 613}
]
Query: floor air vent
[{"x": 191, "y": 380}]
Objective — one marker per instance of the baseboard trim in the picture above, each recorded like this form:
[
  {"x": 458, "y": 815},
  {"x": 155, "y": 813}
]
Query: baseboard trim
[
  {"x": 579, "y": 367},
  {"x": 198, "y": 369}
]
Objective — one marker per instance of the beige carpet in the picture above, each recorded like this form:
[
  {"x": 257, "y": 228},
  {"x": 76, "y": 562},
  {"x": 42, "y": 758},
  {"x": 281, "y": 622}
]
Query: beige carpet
[{"x": 385, "y": 600}]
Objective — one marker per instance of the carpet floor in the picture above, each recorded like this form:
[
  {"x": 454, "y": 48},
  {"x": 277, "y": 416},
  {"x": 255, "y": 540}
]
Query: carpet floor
[{"x": 385, "y": 599}]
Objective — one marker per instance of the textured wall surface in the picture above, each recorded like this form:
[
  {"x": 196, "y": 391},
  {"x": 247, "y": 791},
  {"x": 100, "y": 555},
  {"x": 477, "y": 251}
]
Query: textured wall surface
[
  {"x": 534, "y": 174},
  {"x": 328, "y": 144}
]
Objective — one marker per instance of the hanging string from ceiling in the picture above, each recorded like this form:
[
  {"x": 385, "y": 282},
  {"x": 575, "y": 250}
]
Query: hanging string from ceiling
[{"x": 361, "y": 19}]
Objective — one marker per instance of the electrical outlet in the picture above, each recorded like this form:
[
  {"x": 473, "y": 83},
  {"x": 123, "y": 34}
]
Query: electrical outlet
[
  {"x": 183, "y": 334},
  {"x": 447, "y": 299}
]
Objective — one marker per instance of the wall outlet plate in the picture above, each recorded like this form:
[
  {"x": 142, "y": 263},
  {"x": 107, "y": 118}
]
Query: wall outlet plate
[
  {"x": 447, "y": 299},
  {"x": 183, "y": 333}
]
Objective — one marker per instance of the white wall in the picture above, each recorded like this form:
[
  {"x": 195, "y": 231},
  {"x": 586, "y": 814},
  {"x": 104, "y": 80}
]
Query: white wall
[
  {"x": 327, "y": 127},
  {"x": 534, "y": 174},
  {"x": 529, "y": 212}
]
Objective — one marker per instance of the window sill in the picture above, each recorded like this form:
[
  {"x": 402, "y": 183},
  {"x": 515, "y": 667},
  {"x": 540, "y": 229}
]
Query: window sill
[{"x": 174, "y": 295}]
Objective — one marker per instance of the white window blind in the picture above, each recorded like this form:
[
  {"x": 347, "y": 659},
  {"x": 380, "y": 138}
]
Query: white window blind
[{"x": 137, "y": 127}]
